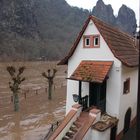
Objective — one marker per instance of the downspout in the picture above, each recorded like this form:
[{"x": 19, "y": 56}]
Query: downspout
[{"x": 80, "y": 90}]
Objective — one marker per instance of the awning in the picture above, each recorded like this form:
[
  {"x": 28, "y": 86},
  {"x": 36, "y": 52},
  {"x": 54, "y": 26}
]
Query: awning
[{"x": 92, "y": 71}]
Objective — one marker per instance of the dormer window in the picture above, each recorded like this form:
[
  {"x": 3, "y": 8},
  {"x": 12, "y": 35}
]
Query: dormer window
[{"x": 91, "y": 41}]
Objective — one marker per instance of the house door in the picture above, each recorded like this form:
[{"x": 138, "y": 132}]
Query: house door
[
  {"x": 97, "y": 95},
  {"x": 127, "y": 120}
]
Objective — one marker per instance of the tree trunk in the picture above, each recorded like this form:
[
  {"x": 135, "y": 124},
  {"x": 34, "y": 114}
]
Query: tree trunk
[
  {"x": 50, "y": 90},
  {"x": 16, "y": 102}
]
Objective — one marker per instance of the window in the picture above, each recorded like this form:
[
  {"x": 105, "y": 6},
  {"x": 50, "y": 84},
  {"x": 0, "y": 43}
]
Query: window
[
  {"x": 91, "y": 41},
  {"x": 87, "y": 41},
  {"x": 96, "y": 41},
  {"x": 126, "y": 86}
]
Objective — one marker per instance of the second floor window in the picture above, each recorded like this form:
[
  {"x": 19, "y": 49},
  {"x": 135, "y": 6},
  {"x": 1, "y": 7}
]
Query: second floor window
[
  {"x": 91, "y": 41},
  {"x": 96, "y": 41},
  {"x": 87, "y": 41}
]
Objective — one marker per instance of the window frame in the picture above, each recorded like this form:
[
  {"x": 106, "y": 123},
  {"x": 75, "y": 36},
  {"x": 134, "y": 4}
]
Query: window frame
[
  {"x": 87, "y": 45},
  {"x": 126, "y": 86},
  {"x": 91, "y": 41},
  {"x": 84, "y": 41},
  {"x": 94, "y": 45}
]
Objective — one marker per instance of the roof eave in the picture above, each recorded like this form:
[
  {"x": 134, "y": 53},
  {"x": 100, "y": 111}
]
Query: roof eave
[
  {"x": 129, "y": 65},
  {"x": 100, "y": 82},
  {"x": 63, "y": 62}
]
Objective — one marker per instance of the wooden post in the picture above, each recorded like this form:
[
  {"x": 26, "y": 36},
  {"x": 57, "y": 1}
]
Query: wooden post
[
  {"x": 52, "y": 127},
  {"x": 12, "y": 98},
  {"x": 57, "y": 123},
  {"x": 46, "y": 89},
  {"x": 80, "y": 90},
  {"x": 36, "y": 92}
]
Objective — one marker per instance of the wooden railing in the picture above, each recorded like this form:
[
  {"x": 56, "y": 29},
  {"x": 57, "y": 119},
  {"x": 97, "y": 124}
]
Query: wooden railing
[
  {"x": 51, "y": 129},
  {"x": 84, "y": 102},
  {"x": 64, "y": 126}
]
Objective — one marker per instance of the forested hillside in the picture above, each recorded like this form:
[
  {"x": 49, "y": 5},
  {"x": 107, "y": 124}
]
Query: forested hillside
[{"x": 33, "y": 29}]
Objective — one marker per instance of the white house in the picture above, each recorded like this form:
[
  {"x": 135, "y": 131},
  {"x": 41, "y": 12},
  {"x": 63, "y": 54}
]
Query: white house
[{"x": 102, "y": 75}]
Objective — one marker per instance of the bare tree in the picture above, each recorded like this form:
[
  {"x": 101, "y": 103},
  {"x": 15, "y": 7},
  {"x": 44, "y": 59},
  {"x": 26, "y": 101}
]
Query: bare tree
[
  {"x": 14, "y": 84},
  {"x": 50, "y": 76}
]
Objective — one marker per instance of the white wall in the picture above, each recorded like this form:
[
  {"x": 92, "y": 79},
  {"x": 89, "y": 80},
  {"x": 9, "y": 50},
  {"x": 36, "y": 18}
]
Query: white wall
[
  {"x": 85, "y": 89},
  {"x": 97, "y": 135},
  {"x": 130, "y": 99},
  {"x": 113, "y": 91},
  {"x": 72, "y": 88},
  {"x": 101, "y": 54}
]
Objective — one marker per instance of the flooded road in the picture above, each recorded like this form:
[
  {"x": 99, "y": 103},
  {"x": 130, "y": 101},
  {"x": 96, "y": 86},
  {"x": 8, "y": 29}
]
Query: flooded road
[{"x": 36, "y": 112}]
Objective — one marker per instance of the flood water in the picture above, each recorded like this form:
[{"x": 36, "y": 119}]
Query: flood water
[{"x": 36, "y": 112}]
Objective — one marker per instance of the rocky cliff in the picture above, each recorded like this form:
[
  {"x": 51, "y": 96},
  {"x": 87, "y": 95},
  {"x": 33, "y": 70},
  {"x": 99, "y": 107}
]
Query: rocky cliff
[
  {"x": 125, "y": 19},
  {"x": 104, "y": 12}
]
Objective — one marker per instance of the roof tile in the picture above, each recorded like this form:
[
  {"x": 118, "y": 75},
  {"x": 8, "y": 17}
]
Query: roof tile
[{"x": 92, "y": 71}]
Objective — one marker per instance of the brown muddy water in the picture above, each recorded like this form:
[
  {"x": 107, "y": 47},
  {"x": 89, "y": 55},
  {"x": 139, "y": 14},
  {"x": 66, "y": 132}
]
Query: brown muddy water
[{"x": 36, "y": 113}]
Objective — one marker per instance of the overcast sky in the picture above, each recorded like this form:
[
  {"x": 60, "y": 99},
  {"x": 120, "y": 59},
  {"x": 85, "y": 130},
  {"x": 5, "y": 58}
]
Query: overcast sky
[{"x": 116, "y": 4}]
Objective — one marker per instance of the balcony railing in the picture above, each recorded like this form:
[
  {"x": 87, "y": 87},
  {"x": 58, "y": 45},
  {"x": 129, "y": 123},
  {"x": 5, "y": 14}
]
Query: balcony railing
[{"x": 84, "y": 102}]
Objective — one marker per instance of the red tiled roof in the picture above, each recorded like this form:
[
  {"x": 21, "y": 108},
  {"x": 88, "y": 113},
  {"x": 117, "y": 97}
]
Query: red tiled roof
[
  {"x": 92, "y": 71},
  {"x": 121, "y": 44}
]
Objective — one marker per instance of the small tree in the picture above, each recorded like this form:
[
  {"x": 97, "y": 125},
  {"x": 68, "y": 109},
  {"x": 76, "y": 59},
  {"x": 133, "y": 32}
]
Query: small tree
[
  {"x": 16, "y": 79},
  {"x": 50, "y": 78}
]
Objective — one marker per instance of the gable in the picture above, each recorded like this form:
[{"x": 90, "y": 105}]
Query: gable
[{"x": 121, "y": 44}]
